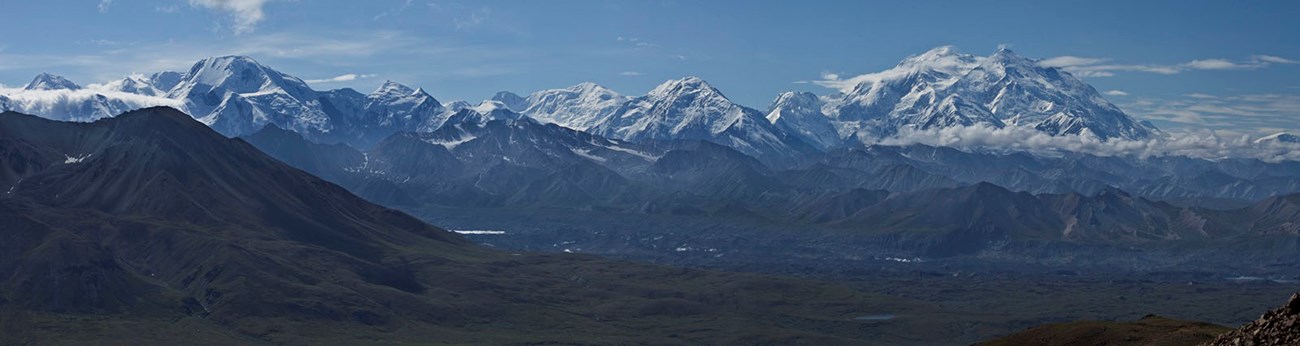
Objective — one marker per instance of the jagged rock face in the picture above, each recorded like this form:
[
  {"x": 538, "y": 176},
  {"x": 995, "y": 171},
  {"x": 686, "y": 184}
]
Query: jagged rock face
[{"x": 1280, "y": 327}]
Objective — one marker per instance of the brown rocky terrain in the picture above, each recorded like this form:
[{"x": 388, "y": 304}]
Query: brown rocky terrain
[{"x": 1277, "y": 327}]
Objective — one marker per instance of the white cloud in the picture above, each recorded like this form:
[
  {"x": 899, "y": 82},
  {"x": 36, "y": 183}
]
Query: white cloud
[
  {"x": 59, "y": 103},
  {"x": 340, "y": 78},
  {"x": 629, "y": 73},
  {"x": 167, "y": 9},
  {"x": 678, "y": 56},
  {"x": 1070, "y": 61},
  {"x": 1116, "y": 93},
  {"x": 1238, "y": 113},
  {"x": 1099, "y": 67},
  {"x": 1273, "y": 59},
  {"x": 104, "y": 4},
  {"x": 1083, "y": 67},
  {"x": 1198, "y": 144},
  {"x": 1215, "y": 64},
  {"x": 245, "y": 13}
]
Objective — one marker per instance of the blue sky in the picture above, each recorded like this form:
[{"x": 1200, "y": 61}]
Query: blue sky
[{"x": 1228, "y": 66}]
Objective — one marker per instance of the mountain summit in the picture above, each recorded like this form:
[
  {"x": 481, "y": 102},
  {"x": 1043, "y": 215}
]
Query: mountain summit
[
  {"x": 46, "y": 81},
  {"x": 942, "y": 88}
]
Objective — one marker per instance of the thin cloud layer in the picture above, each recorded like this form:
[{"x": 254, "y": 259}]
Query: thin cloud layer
[
  {"x": 244, "y": 13},
  {"x": 53, "y": 103},
  {"x": 1258, "y": 111},
  {"x": 1101, "y": 67},
  {"x": 340, "y": 78},
  {"x": 1198, "y": 144}
]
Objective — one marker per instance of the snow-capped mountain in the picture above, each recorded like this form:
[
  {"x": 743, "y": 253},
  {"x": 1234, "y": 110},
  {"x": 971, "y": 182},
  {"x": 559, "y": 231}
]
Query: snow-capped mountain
[
  {"x": 942, "y": 88},
  {"x": 58, "y": 98},
  {"x": 134, "y": 84},
  {"x": 691, "y": 109},
  {"x": 799, "y": 113},
  {"x": 578, "y": 107},
  {"x": 512, "y": 100},
  {"x": 166, "y": 80},
  {"x": 235, "y": 95},
  {"x": 46, "y": 81},
  {"x": 485, "y": 112},
  {"x": 1019, "y": 92}
]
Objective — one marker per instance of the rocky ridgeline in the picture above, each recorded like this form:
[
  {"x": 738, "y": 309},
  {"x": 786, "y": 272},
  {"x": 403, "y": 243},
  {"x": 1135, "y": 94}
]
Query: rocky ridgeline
[{"x": 1276, "y": 327}]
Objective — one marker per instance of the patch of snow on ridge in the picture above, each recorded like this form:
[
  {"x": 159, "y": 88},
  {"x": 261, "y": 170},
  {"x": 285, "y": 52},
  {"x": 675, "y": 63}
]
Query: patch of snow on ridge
[
  {"x": 452, "y": 143},
  {"x": 78, "y": 159},
  {"x": 477, "y": 231}
]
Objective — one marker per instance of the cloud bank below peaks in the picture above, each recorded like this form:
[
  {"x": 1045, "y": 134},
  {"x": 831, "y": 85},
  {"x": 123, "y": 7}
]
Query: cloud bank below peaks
[{"x": 1207, "y": 145}]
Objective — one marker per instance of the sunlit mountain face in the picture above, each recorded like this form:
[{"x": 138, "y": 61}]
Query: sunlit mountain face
[{"x": 266, "y": 172}]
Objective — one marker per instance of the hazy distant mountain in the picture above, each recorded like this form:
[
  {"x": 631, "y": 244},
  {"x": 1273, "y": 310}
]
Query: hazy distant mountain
[{"x": 511, "y": 100}]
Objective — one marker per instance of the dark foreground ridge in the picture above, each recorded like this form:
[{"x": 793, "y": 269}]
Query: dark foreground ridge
[
  {"x": 1277, "y": 327},
  {"x": 151, "y": 228}
]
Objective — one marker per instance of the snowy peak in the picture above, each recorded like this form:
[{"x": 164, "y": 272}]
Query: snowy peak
[
  {"x": 577, "y": 107},
  {"x": 943, "y": 59},
  {"x": 1005, "y": 62},
  {"x": 135, "y": 84},
  {"x": 485, "y": 112},
  {"x": 1018, "y": 92},
  {"x": 687, "y": 85},
  {"x": 511, "y": 100},
  {"x": 799, "y": 114},
  {"x": 942, "y": 88},
  {"x": 391, "y": 90},
  {"x": 46, "y": 81},
  {"x": 166, "y": 80},
  {"x": 489, "y": 106},
  {"x": 241, "y": 75},
  {"x": 691, "y": 109},
  {"x": 790, "y": 101}
]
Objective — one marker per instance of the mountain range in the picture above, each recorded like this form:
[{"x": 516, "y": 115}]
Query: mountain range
[
  {"x": 686, "y": 150},
  {"x": 939, "y": 88}
]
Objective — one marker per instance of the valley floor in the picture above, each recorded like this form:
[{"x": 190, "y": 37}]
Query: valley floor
[{"x": 925, "y": 301}]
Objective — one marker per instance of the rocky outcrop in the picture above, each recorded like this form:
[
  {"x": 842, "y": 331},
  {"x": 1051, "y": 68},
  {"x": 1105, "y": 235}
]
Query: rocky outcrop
[{"x": 1277, "y": 327}]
